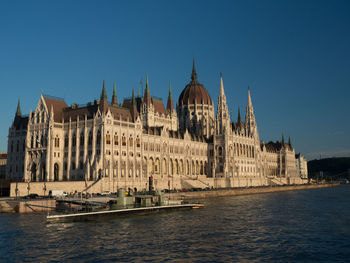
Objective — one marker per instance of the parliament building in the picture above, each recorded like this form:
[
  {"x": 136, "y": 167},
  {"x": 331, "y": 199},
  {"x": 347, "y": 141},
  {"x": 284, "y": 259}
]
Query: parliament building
[{"x": 109, "y": 145}]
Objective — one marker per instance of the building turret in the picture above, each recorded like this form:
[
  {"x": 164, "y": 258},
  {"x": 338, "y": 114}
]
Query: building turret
[
  {"x": 114, "y": 96},
  {"x": 170, "y": 103}
]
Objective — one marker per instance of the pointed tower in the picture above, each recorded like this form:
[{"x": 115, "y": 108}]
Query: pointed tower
[
  {"x": 114, "y": 96},
  {"x": 133, "y": 106},
  {"x": 239, "y": 120},
  {"x": 282, "y": 142},
  {"x": 250, "y": 123},
  {"x": 222, "y": 115},
  {"x": 18, "y": 111},
  {"x": 147, "y": 95},
  {"x": 170, "y": 103},
  {"x": 194, "y": 73},
  {"x": 103, "y": 99}
]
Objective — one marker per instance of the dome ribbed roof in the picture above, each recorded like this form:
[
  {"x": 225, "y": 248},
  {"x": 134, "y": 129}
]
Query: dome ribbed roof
[{"x": 194, "y": 92}]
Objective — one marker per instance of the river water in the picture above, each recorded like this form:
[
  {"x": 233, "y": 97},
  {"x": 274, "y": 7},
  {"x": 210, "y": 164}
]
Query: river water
[{"x": 297, "y": 226}]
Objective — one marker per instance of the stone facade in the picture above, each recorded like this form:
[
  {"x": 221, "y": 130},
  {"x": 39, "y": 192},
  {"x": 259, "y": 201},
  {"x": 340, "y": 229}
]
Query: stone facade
[{"x": 124, "y": 144}]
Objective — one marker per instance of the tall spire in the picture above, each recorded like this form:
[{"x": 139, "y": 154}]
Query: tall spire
[
  {"x": 114, "y": 95},
  {"x": 170, "y": 103},
  {"x": 283, "y": 143},
  {"x": 239, "y": 120},
  {"x": 103, "y": 100},
  {"x": 250, "y": 104},
  {"x": 250, "y": 123},
  {"x": 289, "y": 142},
  {"x": 103, "y": 93},
  {"x": 222, "y": 93},
  {"x": 147, "y": 96},
  {"x": 194, "y": 73},
  {"x": 222, "y": 114},
  {"x": 18, "y": 111}
]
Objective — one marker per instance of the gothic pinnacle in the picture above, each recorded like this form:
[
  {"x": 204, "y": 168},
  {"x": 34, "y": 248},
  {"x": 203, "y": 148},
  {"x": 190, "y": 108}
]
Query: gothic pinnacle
[{"x": 18, "y": 111}]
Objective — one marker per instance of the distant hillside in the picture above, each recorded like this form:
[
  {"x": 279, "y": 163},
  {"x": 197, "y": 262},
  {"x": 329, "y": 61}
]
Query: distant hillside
[{"x": 329, "y": 166}]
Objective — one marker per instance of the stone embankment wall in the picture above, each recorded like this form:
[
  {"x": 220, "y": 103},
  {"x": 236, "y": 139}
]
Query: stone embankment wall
[
  {"x": 21, "y": 206},
  {"x": 244, "y": 191}
]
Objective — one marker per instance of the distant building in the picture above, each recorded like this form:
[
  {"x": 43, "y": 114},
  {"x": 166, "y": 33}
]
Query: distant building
[
  {"x": 3, "y": 160},
  {"x": 301, "y": 166},
  {"x": 126, "y": 143}
]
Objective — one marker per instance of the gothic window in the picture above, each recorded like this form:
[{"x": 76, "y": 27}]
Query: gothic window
[
  {"x": 42, "y": 117},
  {"x": 116, "y": 139},
  {"x": 65, "y": 166},
  {"x": 138, "y": 143},
  {"x": 156, "y": 166},
  {"x": 17, "y": 146},
  {"x": 32, "y": 142},
  {"x": 57, "y": 141},
  {"x": 37, "y": 141},
  {"x": 131, "y": 141},
  {"x": 108, "y": 139},
  {"x": 37, "y": 118},
  {"x": 124, "y": 140}
]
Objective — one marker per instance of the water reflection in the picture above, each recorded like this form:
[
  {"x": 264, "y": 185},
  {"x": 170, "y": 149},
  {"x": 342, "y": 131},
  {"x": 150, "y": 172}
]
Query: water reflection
[{"x": 291, "y": 226}]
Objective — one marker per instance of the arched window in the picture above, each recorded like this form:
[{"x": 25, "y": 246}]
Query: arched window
[
  {"x": 56, "y": 172},
  {"x": 98, "y": 140},
  {"x": 74, "y": 140},
  {"x": 220, "y": 151},
  {"x": 138, "y": 143},
  {"x": 82, "y": 137},
  {"x": 108, "y": 139},
  {"x": 90, "y": 138},
  {"x": 131, "y": 141},
  {"x": 66, "y": 141}
]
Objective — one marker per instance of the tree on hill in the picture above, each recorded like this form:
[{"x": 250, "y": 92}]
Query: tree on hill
[{"x": 339, "y": 166}]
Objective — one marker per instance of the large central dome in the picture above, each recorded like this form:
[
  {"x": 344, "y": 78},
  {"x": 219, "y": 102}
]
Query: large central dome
[{"x": 194, "y": 92}]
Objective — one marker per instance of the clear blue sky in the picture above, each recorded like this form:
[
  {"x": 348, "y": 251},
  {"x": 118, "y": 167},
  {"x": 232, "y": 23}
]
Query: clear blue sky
[{"x": 295, "y": 55}]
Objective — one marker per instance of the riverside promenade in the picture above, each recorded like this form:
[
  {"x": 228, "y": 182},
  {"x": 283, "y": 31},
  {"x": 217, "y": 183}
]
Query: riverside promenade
[{"x": 244, "y": 191}]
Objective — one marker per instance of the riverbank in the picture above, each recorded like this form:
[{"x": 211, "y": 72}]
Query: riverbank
[{"x": 245, "y": 191}]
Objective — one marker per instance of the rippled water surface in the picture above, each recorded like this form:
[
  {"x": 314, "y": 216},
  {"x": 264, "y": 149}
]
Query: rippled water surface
[{"x": 299, "y": 226}]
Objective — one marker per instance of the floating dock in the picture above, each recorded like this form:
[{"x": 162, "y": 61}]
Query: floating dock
[{"x": 87, "y": 216}]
